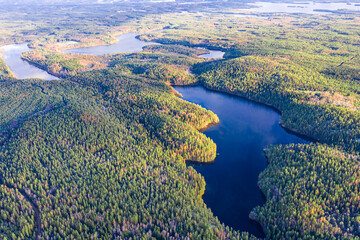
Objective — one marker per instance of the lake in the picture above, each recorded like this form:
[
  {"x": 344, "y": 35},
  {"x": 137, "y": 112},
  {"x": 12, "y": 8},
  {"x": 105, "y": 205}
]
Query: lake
[
  {"x": 213, "y": 54},
  {"x": 20, "y": 68},
  {"x": 245, "y": 129},
  {"x": 126, "y": 43}
]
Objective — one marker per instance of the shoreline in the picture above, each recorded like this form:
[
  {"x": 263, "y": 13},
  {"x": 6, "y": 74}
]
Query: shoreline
[
  {"x": 289, "y": 130},
  {"x": 277, "y": 110},
  {"x": 59, "y": 76}
]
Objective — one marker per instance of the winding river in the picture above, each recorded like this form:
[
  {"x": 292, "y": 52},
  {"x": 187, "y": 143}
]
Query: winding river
[{"x": 245, "y": 129}]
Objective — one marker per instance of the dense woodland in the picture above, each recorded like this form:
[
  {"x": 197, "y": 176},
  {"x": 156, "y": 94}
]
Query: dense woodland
[
  {"x": 312, "y": 192},
  {"x": 101, "y": 153},
  {"x": 100, "y": 159}
]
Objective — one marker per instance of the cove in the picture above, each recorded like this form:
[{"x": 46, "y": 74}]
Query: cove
[
  {"x": 20, "y": 68},
  {"x": 245, "y": 129}
]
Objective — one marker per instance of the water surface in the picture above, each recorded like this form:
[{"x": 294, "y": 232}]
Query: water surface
[
  {"x": 245, "y": 129},
  {"x": 20, "y": 68},
  {"x": 213, "y": 54},
  {"x": 126, "y": 43}
]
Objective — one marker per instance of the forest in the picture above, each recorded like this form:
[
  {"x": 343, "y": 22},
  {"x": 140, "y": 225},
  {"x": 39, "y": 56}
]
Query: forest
[
  {"x": 101, "y": 153},
  {"x": 108, "y": 161}
]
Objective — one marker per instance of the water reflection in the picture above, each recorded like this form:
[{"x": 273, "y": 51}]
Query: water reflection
[
  {"x": 20, "y": 68},
  {"x": 245, "y": 129},
  {"x": 126, "y": 43}
]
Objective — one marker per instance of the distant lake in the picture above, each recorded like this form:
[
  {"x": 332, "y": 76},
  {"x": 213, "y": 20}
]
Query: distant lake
[
  {"x": 20, "y": 68},
  {"x": 213, "y": 54},
  {"x": 301, "y": 7},
  {"x": 126, "y": 43},
  {"x": 245, "y": 129}
]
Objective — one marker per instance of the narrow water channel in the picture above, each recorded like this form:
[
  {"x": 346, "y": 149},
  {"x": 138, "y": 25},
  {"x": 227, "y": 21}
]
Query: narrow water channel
[{"x": 245, "y": 129}]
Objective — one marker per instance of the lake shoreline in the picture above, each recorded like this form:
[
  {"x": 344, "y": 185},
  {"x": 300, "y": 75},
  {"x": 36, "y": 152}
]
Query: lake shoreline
[
  {"x": 209, "y": 164},
  {"x": 277, "y": 110},
  {"x": 14, "y": 61},
  {"x": 290, "y": 130},
  {"x": 59, "y": 76}
]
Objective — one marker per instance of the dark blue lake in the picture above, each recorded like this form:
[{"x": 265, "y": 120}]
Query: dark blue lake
[{"x": 245, "y": 129}]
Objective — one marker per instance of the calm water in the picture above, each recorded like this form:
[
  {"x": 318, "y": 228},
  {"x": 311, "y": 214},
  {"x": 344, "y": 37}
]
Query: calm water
[
  {"x": 213, "y": 54},
  {"x": 126, "y": 43},
  {"x": 245, "y": 129},
  {"x": 302, "y": 7},
  {"x": 20, "y": 68},
  {"x": 129, "y": 43}
]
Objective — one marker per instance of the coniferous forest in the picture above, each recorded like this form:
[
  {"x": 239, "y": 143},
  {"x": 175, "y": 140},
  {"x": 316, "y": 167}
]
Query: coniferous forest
[{"x": 101, "y": 152}]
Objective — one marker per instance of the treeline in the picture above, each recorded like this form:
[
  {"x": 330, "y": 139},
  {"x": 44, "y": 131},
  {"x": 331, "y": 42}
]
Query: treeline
[
  {"x": 175, "y": 49},
  {"x": 317, "y": 42},
  {"x": 309, "y": 101}
]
